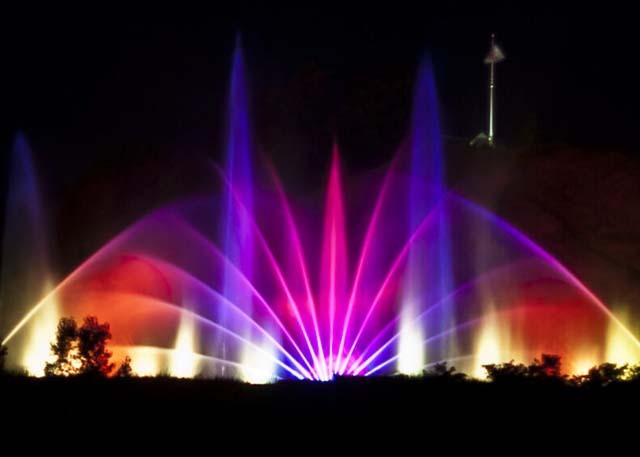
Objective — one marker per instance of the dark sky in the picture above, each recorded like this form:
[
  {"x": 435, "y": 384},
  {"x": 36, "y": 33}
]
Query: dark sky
[
  {"x": 104, "y": 89},
  {"x": 158, "y": 76}
]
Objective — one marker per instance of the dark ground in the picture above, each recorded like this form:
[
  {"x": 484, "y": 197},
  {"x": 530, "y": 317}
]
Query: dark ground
[{"x": 397, "y": 403}]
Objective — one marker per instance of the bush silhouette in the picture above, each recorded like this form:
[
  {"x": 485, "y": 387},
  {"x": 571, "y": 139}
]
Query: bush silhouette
[
  {"x": 633, "y": 373},
  {"x": 443, "y": 371},
  {"x": 548, "y": 368},
  {"x": 124, "y": 370},
  {"x": 509, "y": 371},
  {"x": 605, "y": 374}
]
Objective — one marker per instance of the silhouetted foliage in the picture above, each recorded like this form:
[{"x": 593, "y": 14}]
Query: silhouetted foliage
[
  {"x": 509, "y": 371},
  {"x": 549, "y": 367},
  {"x": 124, "y": 370},
  {"x": 80, "y": 350},
  {"x": 443, "y": 371},
  {"x": 633, "y": 373},
  {"x": 3, "y": 357},
  {"x": 604, "y": 374},
  {"x": 92, "y": 347},
  {"x": 64, "y": 349}
]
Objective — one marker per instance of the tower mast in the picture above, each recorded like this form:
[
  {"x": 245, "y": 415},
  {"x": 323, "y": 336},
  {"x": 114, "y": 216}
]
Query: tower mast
[{"x": 492, "y": 87}]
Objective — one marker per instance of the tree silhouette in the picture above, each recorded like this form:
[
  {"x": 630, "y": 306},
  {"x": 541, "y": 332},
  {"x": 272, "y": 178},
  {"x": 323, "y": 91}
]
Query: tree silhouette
[
  {"x": 92, "y": 347},
  {"x": 605, "y": 374},
  {"x": 506, "y": 372},
  {"x": 80, "y": 350},
  {"x": 64, "y": 349},
  {"x": 549, "y": 367}
]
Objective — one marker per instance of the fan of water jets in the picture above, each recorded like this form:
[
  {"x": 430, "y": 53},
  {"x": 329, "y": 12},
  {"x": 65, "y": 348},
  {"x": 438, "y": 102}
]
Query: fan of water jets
[{"x": 250, "y": 283}]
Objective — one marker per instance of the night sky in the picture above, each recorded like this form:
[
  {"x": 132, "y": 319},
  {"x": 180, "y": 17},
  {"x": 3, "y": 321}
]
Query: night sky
[{"x": 108, "y": 95}]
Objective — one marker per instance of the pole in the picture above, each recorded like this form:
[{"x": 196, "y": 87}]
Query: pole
[{"x": 491, "y": 90}]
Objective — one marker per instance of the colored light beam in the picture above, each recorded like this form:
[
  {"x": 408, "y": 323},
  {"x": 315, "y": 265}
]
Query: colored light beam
[
  {"x": 293, "y": 231},
  {"x": 396, "y": 263},
  {"x": 334, "y": 258},
  {"x": 368, "y": 239}
]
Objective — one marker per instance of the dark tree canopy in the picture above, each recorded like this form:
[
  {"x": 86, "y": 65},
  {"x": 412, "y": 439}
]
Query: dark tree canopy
[
  {"x": 80, "y": 350},
  {"x": 549, "y": 367},
  {"x": 92, "y": 347},
  {"x": 506, "y": 371},
  {"x": 606, "y": 373},
  {"x": 64, "y": 349}
]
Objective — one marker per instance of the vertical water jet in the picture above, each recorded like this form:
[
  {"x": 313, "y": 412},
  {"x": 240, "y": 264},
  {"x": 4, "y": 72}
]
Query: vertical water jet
[
  {"x": 235, "y": 219},
  {"x": 26, "y": 276}
]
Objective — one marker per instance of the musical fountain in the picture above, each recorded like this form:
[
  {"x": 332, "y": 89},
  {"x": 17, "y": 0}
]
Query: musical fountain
[{"x": 252, "y": 283}]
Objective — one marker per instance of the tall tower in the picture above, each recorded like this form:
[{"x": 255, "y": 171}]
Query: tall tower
[{"x": 494, "y": 56}]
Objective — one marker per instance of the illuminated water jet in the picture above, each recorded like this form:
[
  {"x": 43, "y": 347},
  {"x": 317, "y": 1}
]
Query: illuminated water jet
[
  {"x": 25, "y": 276},
  {"x": 183, "y": 364},
  {"x": 411, "y": 351}
]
